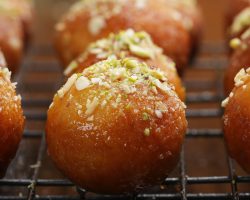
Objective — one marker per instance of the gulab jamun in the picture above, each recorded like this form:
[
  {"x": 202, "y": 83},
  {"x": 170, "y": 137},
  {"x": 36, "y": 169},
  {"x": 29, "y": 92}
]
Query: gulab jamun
[
  {"x": 11, "y": 118},
  {"x": 116, "y": 127},
  {"x": 237, "y": 120},
  {"x": 88, "y": 21}
]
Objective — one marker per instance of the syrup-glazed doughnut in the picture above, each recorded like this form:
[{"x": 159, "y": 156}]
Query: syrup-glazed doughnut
[
  {"x": 90, "y": 20},
  {"x": 116, "y": 127},
  {"x": 11, "y": 118},
  {"x": 237, "y": 120}
]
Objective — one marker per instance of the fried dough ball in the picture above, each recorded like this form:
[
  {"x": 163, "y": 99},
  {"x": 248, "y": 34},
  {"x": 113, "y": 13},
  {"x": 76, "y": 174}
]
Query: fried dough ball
[
  {"x": 116, "y": 127},
  {"x": 11, "y": 118},
  {"x": 237, "y": 120},
  {"x": 90, "y": 20},
  {"x": 128, "y": 44},
  {"x": 239, "y": 58}
]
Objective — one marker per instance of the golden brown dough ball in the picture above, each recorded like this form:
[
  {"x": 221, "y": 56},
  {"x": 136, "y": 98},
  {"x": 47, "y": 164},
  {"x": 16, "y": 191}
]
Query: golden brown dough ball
[
  {"x": 11, "y": 118},
  {"x": 128, "y": 44},
  {"x": 90, "y": 20},
  {"x": 237, "y": 120},
  {"x": 239, "y": 59},
  {"x": 116, "y": 127}
]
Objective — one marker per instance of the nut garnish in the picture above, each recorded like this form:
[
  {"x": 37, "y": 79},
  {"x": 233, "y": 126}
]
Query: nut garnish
[
  {"x": 67, "y": 86},
  {"x": 82, "y": 83},
  {"x": 235, "y": 43},
  {"x": 242, "y": 20},
  {"x": 116, "y": 81}
]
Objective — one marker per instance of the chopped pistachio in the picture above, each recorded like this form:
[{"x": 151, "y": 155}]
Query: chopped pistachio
[
  {"x": 145, "y": 116},
  {"x": 112, "y": 79},
  {"x": 132, "y": 79},
  {"x": 147, "y": 132},
  {"x": 140, "y": 51},
  {"x": 128, "y": 106},
  {"x": 235, "y": 43},
  {"x": 72, "y": 66},
  {"x": 129, "y": 63},
  {"x": 158, "y": 74},
  {"x": 91, "y": 106},
  {"x": 138, "y": 43}
]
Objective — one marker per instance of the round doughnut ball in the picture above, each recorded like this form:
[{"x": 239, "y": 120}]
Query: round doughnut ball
[
  {"x": 237, "y": 120},
  {"x": 116, "y": 127},
  {"x": 90, "y": 20},
  {"x": 239, "y": 58},
  {"x": 11, "y": 117},
  {"x": 128, "y": 44}
]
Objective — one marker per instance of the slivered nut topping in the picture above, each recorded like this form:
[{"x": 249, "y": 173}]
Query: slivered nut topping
[
  {"x": 72, "y": 66},
  {"x": 91, "y": 106},
  {"x": 241, "y": 77},
  {"x": 241, "y": 21},
  {"x": 6, "y": 73},
  {"x": 225, "y": 102},
  {"x": 158, "y": 113},
  {"x": 67, "y": 86},
  {"x": 82, "y": 83}
]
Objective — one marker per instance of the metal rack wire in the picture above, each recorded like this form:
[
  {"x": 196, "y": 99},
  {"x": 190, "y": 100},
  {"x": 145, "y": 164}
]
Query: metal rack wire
[{"x": 34, "y": 64}]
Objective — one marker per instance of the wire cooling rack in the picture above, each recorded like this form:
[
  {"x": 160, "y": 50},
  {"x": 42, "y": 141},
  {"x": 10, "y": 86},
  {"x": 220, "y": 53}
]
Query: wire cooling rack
[{"x": 39, "y": 79}]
